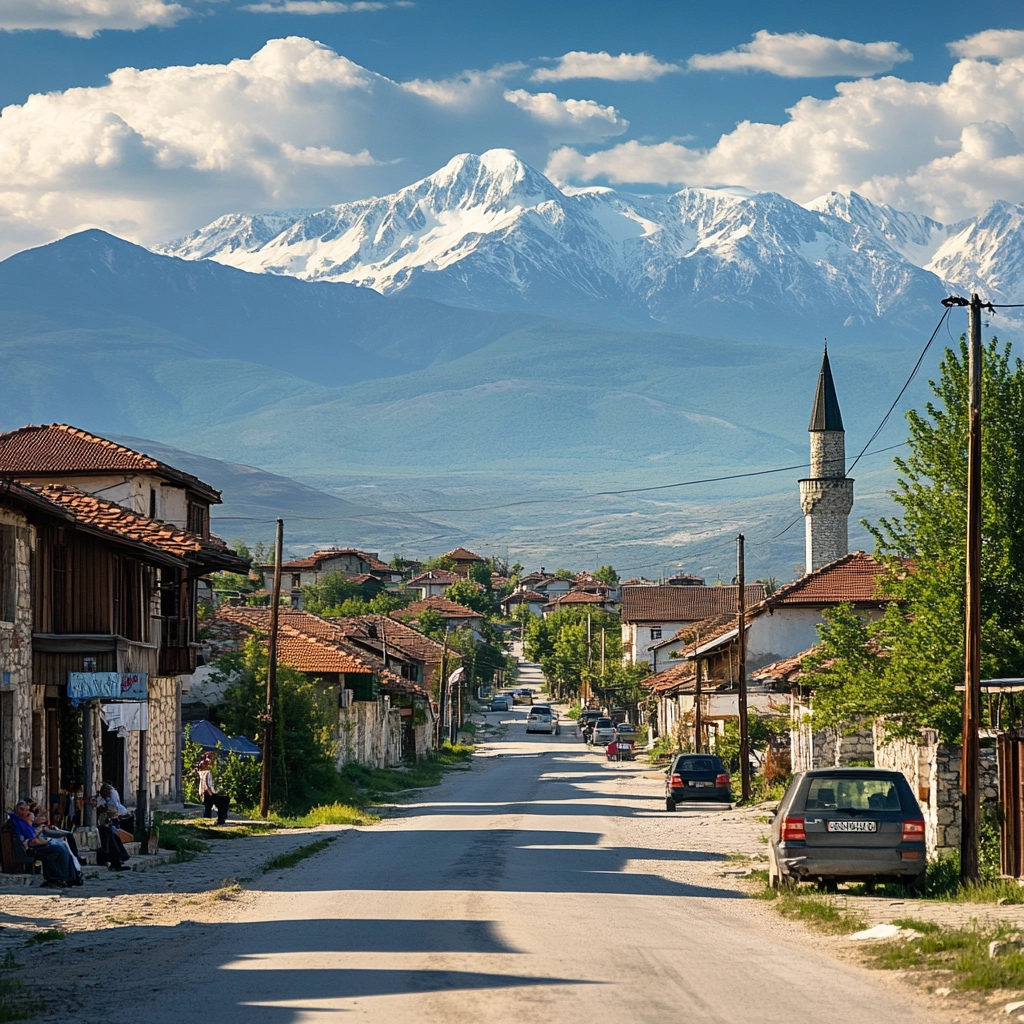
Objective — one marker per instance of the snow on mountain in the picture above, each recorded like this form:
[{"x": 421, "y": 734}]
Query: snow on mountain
[
  {"x": 985, "y": 255},
  {"x": 491, "y": 232}
]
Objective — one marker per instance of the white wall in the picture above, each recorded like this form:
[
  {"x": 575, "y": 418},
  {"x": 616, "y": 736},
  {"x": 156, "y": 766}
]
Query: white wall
[{"x": 636, "y": 642}]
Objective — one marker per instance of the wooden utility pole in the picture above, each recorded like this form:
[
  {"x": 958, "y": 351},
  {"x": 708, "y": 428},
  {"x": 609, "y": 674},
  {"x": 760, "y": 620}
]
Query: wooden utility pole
[
  {"x": 741, "y": 659},
  {"x": 268, "y": 725},
  {"x": 602, "y": 653},
  {"x": 970, "y": 800},
  {"x": 698, "y": 712}
]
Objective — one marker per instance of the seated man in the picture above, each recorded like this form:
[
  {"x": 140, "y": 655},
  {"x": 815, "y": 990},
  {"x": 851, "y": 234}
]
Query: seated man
[
  {"x": 44, "y": 828},
  {"x": 58, "y": 870},
  {"x": 108, "y": 811}
]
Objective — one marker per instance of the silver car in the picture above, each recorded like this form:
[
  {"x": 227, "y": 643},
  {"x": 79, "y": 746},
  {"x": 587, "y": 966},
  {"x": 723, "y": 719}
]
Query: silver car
[
  {"x": 847, "y": 824},
  {"x": 541, "y": 720},
  {"x": 603, "y": 732}
]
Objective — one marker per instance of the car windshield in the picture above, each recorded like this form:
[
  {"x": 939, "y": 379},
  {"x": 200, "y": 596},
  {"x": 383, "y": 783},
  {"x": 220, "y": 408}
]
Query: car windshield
[
  {"x": 852, "y": 793},
  {"x": 698, "y": 764},
  {"x": 603, "y": 723}
]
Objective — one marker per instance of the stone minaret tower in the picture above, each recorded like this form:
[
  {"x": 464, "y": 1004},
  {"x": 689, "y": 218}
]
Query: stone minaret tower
[{"x": 827, "y": 496}]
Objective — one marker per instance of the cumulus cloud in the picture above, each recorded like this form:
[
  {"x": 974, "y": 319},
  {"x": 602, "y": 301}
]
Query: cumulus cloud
[
  {"x": 993, "y": 42},
  {"x": 625, "y": 67},
  {"x": 154, "y": 153},
  {"x": 84, "y": 18},
  {"x": 321, "y": 6},
  {"x": 584, "y": 119},
  {"x": 803, "y": 55},
  {"x": 947, "y": 149}
]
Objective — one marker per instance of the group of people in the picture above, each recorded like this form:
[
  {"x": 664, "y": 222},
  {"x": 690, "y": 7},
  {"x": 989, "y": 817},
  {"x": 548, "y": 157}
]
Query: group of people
[{"x": 56, "y": 849}]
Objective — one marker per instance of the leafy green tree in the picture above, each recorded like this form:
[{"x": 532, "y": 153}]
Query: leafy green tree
[
  {"x": 232, "y": 582},
  {"x": 564, "y": 574},
  {"x": 481, "y": 573},
  {"x": 471, "y": 594},
  {"x": 559, "y": 645},
  {"x": 607, "y": 575},
  {"x": 441, "y": 562},
  {"x": 432, "y": 624},
  {"x": 332, "y": 590}
]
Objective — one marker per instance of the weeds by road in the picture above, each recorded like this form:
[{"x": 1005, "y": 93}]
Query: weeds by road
[{"x": 289, "y": 860}]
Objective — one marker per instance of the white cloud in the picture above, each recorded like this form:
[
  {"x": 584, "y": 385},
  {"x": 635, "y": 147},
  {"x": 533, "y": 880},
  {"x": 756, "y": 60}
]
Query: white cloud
[
  {"x": 803, "y": 55},
  {"x": 320, "y": 6},
  {"x": 585, "y": 120},
  {"x": 84, "y": 18},
  {"x": 154, "y": 153},
  {"x": 625, "y": 67},
  {"x": 947, "y": 149},
  {"x": 993, "y": 42}
]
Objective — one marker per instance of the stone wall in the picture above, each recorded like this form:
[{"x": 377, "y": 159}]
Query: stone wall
[
  {"x": 162, "y": 753},
  {"x": 16, "y": 672},
  {"x": 829, "y": 748},
  {"x": 369, "y": 732},
  {"x": 933, "y": 770}
]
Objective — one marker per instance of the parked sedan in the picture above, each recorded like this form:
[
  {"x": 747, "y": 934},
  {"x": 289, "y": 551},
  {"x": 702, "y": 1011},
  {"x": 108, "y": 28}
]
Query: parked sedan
[
  {"x": 541, "y": 721},
  {"x": 586, "y": 722},
  {"x": 696, "y": 777},
  {"x": 499, "y": 703},
  {"x": 603, "y": 732},
  {"x": 847, "y": 824},
  {"x": 523, "y": 695}
]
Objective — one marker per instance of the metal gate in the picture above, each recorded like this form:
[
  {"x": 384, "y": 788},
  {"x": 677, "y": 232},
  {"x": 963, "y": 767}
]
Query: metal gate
[{"x": 1010, "y": 747}]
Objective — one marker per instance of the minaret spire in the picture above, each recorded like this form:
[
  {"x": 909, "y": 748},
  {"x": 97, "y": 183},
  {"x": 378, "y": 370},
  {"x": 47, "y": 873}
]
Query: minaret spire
[{"x": 826, "y": 496}]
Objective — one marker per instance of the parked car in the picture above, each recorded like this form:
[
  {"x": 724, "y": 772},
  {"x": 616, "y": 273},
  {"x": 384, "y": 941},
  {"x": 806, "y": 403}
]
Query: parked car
[
  {"x": 554, "y": 715},
  {"x": 499, "y": 702},
  {"x": 523, "y": 695},
  {"x": 541, "y": 721},
  {"x": 696, "y": 777},
  {"x": 586, "y": 722},
  {"x": 847, "y": 824},
  {"x": 626, "y": 732},
  {"x": 602, "y": 733}
]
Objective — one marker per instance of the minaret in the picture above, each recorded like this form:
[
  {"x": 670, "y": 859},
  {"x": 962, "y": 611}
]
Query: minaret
[{"x": 827, "y": 496}]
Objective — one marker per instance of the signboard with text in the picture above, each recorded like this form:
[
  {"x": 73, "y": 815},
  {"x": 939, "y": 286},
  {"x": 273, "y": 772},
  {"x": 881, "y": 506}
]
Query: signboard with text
[{"x": 108, "y": 686}]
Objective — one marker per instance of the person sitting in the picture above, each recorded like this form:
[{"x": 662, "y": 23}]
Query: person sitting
[
  {"x": 208, "y": 791},
  {"x": 44, "y": 828},
  {"x": 111, "y": 851},
  {"x": 58, "y": 870}
]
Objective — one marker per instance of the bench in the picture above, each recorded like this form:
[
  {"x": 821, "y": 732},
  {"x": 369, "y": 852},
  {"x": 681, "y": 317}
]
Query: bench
[{"x": 14, "y": 859}]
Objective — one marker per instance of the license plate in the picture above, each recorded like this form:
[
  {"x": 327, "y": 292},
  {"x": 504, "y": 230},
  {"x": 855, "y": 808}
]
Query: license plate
[
  {"x": 701, "y": 784},
  {"x": 852, "y": 826}
]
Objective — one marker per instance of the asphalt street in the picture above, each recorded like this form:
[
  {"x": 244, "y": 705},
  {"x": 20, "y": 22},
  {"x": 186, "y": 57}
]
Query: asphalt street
[{"x": 541, "y": 885}]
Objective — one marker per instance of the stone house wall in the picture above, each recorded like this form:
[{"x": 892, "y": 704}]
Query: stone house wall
[
  {"x": 933, "y": 770},
  {"x": 163, "y": 755},
  {"x": 16, "y": 670}
]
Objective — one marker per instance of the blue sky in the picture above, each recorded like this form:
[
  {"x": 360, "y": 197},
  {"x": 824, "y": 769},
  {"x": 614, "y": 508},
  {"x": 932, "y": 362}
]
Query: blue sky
[{"x": 153, "y": 155}]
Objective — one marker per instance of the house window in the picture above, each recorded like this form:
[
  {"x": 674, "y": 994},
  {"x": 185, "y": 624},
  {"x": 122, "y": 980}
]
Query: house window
[
  {"x": 8, "y": 574},
  {"x": 152, "y": 503},
  {"x": 655, "y": 632},
  {"x": 198, "y": 519}
]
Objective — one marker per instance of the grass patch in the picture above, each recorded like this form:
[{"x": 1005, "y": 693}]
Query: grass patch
[
  {"x": 50, "y": 935},
  {"x": 13, "y": 998},
  {"x": 814, "y": 909},
  {"x": 961, "y": 952},
  {"x": 289, "y": 860},
  {"x": 229, "y": 889}
]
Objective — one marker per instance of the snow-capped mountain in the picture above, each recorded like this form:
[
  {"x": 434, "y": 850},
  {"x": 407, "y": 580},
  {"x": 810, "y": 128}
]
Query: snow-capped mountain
[{"x": 491, "y": 232}]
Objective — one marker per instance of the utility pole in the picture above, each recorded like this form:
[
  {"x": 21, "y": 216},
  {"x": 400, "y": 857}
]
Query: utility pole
[
  {"x": 698, "y": 712},
  {"x": 268, "y": 724},
  {"x": 590, "y": 658},
  {"x": 741, "y": 659},
  {"x": 970, "y": 799},
  {"x": 602, "y": 653}
]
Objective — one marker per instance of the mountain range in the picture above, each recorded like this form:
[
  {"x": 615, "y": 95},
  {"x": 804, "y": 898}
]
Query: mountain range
[
  {"x": 490, "y": 232},
  {"x": 486, "y": 358}
]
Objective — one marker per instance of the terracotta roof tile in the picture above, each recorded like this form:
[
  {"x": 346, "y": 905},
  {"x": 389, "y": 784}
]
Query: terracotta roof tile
[
  {"x": 674, "y": 678},
  {"x": 519, "y": 596},
  {"x": 682, "y": 604},
  {"x": 314, "y": 560},
  {"x": 400, "y": 637},
  {"x": 852, "y": 578},
  {"x": 578, "y": 597},
  {"x": 120, "y": 522},
  {"x": 58, "y": 448},
  {"x": 463, "y": 555},
  {"x": 447, "y": 609},
  {"x": 785, "y": 670},
  {"x": 439, "y": 577}
]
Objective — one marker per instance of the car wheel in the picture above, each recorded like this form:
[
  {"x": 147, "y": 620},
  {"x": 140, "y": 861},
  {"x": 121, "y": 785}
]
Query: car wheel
[{"x": 670, "y": 804}]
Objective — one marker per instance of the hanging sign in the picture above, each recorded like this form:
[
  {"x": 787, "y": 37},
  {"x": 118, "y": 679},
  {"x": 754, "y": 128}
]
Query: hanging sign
[{"x": 107, "y": 686}]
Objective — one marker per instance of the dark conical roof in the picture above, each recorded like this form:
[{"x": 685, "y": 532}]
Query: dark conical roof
[{"x": 825, "y": 414}]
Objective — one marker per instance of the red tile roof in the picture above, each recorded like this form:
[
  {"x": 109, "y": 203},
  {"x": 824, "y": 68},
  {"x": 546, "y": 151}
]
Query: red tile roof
[
  {"x": 445, "y": 608},
  {"x": 374, "y": 630},
  {"x": 852, "y": 578},
  {"x": 117, "y": 521},
  {"x": 519, "y": 596},
  {"x": 682, "y": 604},
  {"x": 672, "y": 679},
  {"x": 314, "y": 560},
  {"x": 700, "y": 633},
  {"x": 308, "y": 654},
  {"x": 578, "y": 597},
  {"x": 57, "y": 448},
  {"x": 785, "y": 670},
  {"x": 463, "y": 555},
  {"x": 439, "y": 577}
]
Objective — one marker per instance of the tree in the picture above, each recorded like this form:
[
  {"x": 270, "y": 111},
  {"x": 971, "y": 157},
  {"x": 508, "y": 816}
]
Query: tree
[
  {"x": 607, "y": 575},
  {"x": 565, "y": 574},
  {"x": 918, "y": 646},
  {"x": 480, "y": 573},
  {"x": 441, "y": 562},
  {"x": 432, "y": 624},
  {"x": 330, "y": 592},
  {"x": 471, "y": 594},
  {"x": 559, "y": 645}
]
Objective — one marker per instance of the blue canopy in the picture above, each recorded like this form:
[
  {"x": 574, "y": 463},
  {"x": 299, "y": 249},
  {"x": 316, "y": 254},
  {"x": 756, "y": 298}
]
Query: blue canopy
[{"x": 209, "y": 737}]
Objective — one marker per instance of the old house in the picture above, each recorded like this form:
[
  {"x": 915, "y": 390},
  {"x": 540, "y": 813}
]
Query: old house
[
  {"x": 433, "y": 583},
  {"x": 653, "y": 614},
  {"x": 383, "y": 718},
  {"x": 307, "y": 571},
  {"x": 464, "y": 560},
  {"x": 579, "y": 599},
  {"x": 401, "y": 648},
  {"x": 455, "y": 616},
  {"x": 110, "y": 595},
  {"x": 511, "y": 604}
]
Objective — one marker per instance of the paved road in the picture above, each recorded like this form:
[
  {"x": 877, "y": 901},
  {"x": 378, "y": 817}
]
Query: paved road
[{"x": 544, "y": 885}]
